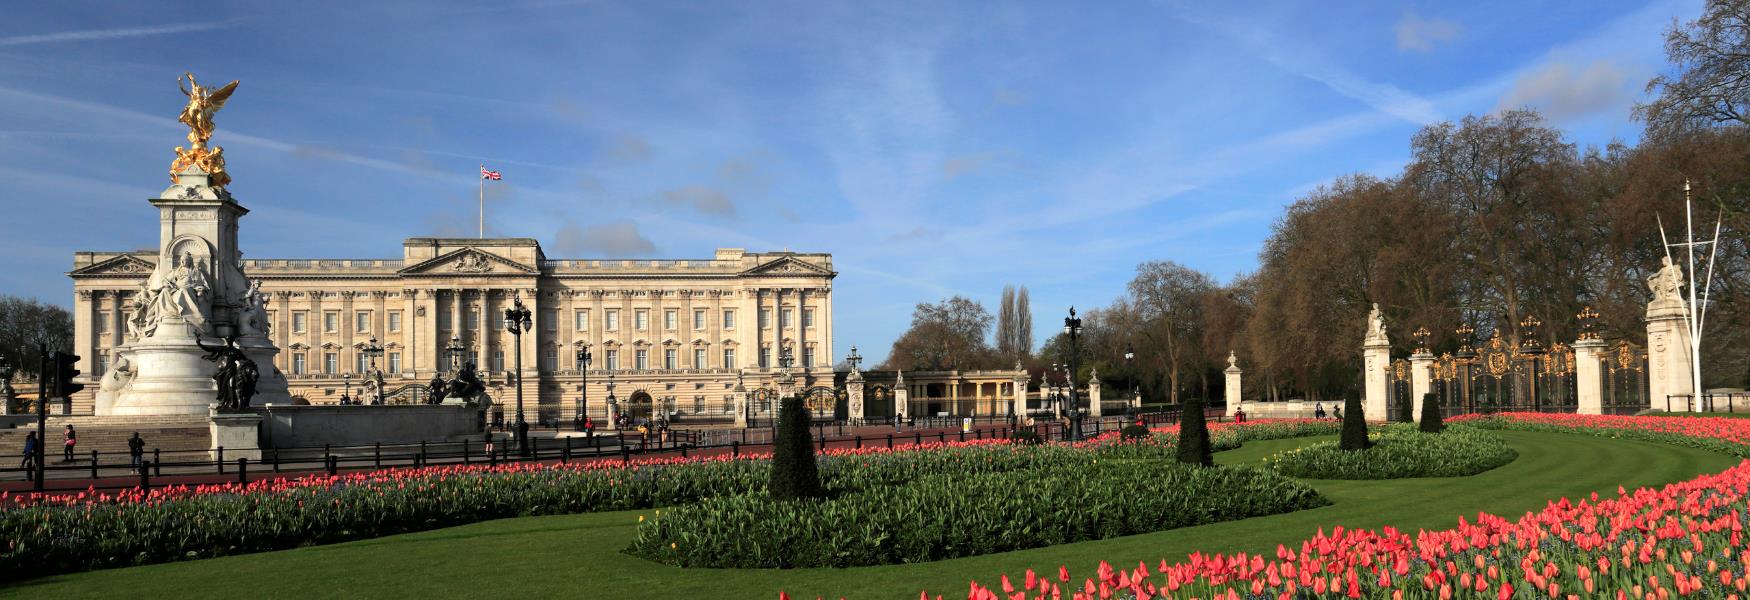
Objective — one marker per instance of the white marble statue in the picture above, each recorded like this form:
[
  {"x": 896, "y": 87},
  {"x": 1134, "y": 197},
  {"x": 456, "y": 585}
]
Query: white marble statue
[
  {"x": 1375, "y": 323},
  {"x": 180, "y": 291},
  {"x": 1667, "y": 283},
  {"x": 253, "y": 318}
]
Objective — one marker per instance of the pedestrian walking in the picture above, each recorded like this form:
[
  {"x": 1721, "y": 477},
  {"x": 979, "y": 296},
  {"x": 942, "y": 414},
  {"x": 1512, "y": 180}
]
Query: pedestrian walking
[
  {"x": 489, "y": 444},
  {"x": 136, "y": 450},
  {"x": 31, "y": 450},
  {"x": 1319, "y": 410},
  {"x": 589, "y": 427},
  {"x": 67, "y": 447}
]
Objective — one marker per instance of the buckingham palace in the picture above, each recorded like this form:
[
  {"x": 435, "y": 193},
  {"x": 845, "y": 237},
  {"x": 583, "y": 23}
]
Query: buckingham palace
[{"x": 670, "y": 337}]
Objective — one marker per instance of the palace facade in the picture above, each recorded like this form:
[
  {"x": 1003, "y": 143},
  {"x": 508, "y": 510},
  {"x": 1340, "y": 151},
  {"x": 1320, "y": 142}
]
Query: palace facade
[{"x": 673, "y": 337}]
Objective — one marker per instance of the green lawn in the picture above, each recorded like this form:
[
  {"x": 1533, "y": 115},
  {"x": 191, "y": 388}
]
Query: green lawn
[{"x": 578, "y": 555}]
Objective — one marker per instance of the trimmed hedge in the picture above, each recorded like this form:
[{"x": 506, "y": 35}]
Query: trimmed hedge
[
  {"x": 1400, "y": 451},
  {"x": 956, "y": 515}
]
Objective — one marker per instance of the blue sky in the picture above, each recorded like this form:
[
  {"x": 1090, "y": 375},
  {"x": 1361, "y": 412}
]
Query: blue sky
[{"x": 933, "y": 148}]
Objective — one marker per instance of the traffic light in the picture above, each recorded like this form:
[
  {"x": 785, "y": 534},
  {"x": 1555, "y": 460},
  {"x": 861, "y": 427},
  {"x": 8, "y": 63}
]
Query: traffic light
[{"x": 66, "y": 367}]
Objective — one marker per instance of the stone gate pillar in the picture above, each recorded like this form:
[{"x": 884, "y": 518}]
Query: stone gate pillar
[
  {"x": 740, "y": 406},
  {"x": 1668, "y": 359},
  {"x": 901, "y": 398},
  {"x": 1375, "y": 359},
  {"x": 1232, "y": 389},
  {"x": 854, "y": 396},
  {"x": 1094, "y": 393},
  {"x": 1589, "y": 374},
  {"x": 1420, "y": 380}
]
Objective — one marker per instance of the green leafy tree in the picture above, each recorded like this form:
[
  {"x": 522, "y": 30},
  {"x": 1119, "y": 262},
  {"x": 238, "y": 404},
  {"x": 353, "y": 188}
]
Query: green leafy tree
[{"x": 794, "y": 473}]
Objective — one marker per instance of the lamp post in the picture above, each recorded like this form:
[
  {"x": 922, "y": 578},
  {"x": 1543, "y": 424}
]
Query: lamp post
[
  {"x": 454, "y": 351},
  {"x": 583, "y": 359},
  {"x": 1072, "y": 326},
  {"x": 346, "y": 391},
  {"x": 373, "y": 350},
  {"x": 517, "y": 320},
  {"x": 613, "y": 404},
  {"x": 854, "y": 358},
  {"x": 1130, "y": 365},
  {"x": 1050, "y": 388}
]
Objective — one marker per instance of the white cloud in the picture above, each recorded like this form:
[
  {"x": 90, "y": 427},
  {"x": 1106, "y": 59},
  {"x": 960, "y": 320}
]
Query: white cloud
[
  {"x": 703, "y": 199},
  {"x": 1562, "y": 90},
  {"x": 1421, "y": 35},
  {"x": 91, "y": 35}
]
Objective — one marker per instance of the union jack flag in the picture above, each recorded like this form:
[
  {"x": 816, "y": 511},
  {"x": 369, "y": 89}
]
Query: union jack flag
[{"x": 493, "y": 175}]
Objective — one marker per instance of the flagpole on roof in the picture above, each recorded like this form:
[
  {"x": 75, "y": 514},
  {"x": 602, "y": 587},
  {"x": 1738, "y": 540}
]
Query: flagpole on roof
[{"x": 482, "y": 200}]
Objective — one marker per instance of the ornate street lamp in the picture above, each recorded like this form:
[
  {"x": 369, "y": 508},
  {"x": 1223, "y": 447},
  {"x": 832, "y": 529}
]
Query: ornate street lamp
[
  {"x": 854, "y": 358},
  {"x": 373, "y": 350},
  {"x": 517, "y": 320},
  {"x": 454, "y": 351},
  {"x": 1130, "y": 365},
  {"x": 613, "y": 404},
  {"x": 1072, "y": 326},
  {"x": 583, "y": 360},
  {"x": 346, "y": 392}
]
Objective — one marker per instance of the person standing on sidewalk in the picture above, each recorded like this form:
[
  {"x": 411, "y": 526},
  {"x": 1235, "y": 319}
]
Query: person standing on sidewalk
[
  {"x": 31, "y": 448},
  {"x": 67, "y": 448},
  {"x": 136, "y": 450}
]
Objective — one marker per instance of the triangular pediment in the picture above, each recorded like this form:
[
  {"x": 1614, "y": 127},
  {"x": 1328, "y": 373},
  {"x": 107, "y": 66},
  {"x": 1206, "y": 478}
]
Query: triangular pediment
[
  {"x": 787, "y": 266},
  {"x": 469, "y": 261},
  {"x": 126, "y": 264}
]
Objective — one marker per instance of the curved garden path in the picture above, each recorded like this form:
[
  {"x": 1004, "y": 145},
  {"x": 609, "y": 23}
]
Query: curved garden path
[{"x": 578, "y": 555}]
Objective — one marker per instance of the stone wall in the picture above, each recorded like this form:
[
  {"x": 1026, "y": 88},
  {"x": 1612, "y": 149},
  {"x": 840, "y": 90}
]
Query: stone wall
[{"x": 294, "y": 426}]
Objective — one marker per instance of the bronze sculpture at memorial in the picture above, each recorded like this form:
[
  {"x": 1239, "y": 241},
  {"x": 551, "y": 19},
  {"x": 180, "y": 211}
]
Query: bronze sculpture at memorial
[{"x": 235, "y": 376}]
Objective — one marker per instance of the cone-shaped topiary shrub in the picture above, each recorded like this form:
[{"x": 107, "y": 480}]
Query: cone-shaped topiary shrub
[
  {"x": 794, "y": 472},
  {"x": 1431, "y": 420},
  {"x": 1194, "y": 435},
  {"x": 1354, "y": 425}
]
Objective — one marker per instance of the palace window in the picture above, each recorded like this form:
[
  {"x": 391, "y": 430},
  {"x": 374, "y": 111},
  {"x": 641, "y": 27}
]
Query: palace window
[
  {"x": 394, "y": 362},
  {"x": 362, "y": 322},
  {"x": 784, "y": 318},
  {"x": 443, "y": 320},
  {"x": 728, "y": 403},
  {"x": 360, "y": 364},
  {"x": 698, "y": 405},
  {"x": 298, "y": 319},
  {"x": 474, "y": 318},
  {"x": 729, "y": 319},
  {"x": 103, "y": 322},
  {"x": 550, "y": 359},
  {"x": 394, "y": 321},
  {"x": 298, "y": 363},
  {"x": 330, "y": 322},
  {"x": 765, "y": 319},
  {"x": 671, "y": 319},
  {"x": 102, "y": 365},
  {"x": 330, "y": 363},
  {"x": 808, "y": 356},
  {"x": 765, "y": 357},
  {"x": 808, "y": 317},
  {"x": 699, "y": 358},
  {"x": 580, "y": 320},
  {"x": 613, "y": 360},
  {"x": 611, "y": 320},
  {"x": 698, "y": 320},
  {"x": 497, "y": 318},
  {"x": 641, "y": 319},
  {"x": 643, "y": 360},
  {"x": 668, "y": 359},
  {"x": 498, "y": 360}
]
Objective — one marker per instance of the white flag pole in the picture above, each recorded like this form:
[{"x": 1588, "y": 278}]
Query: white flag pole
[{"x": 482, "y": 200}]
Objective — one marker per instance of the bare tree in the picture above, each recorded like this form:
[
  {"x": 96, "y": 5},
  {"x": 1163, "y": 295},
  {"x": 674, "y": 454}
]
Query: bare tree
[
  {"x": 1023, "y": 325},
  {"x": 1006, "y": 323},
  {"x": 27, "y": 324},
  {"x": 1712, "y": 82},
  {"x": 944, "y": 336},
  {"x": 1168, "y": 301}
]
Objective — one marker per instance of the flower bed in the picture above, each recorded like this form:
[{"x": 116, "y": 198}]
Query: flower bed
[
  {"x": 1399, "y": 451},
  {"x": 955, "y": 515},
  {"x": 1164, "y": 443},
  {"x": 1685, "y": 539}
]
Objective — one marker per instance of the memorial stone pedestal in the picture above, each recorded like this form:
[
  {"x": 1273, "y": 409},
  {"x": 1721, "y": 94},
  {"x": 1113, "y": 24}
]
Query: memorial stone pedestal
[{"x": 239, "y": 434}]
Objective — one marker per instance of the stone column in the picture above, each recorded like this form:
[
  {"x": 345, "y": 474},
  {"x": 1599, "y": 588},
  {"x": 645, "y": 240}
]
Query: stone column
[
  {"x": 1231, "y": 390},
  {"x": 740, "y": 406},
  {"x": 313, "y": 328},
  {"x": 1420, "y": 381},
  {"x": 1668, "y": 359},
  {"x": 1589, "y": 375},
  {"x": 529, "y": 379},
  {"x": 901, "y": 398},
  {"x": 84, "y": 315},
  {"x": 483, "y": 336},
  {"x": 1094, "y": 408},
  {"x": 1018, "y": 394},
  {"x": 854, "y": 394},
  {"x": 283, "y": 331},
  {"x": 1375, "y": 359},
  {"x": 119, "y": 320},
  {"x": 348, "y": 324}
]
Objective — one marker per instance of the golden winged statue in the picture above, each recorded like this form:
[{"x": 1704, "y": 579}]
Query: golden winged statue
[{"x": 198, "y": 116}]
